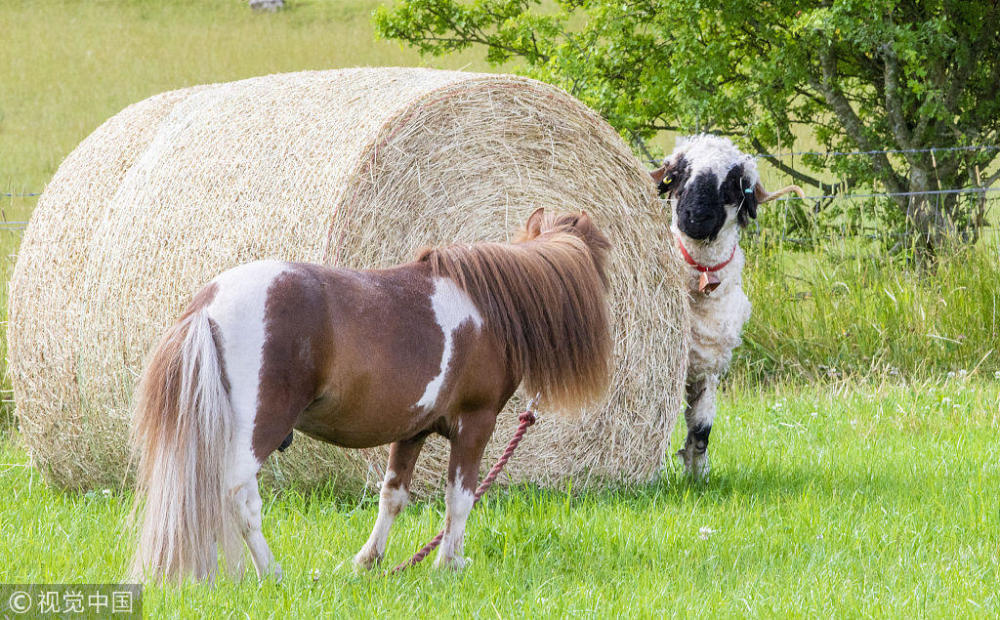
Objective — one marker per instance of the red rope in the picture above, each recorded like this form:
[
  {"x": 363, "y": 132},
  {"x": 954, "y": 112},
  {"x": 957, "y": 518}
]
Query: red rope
[{"x": 527, "y": 419}]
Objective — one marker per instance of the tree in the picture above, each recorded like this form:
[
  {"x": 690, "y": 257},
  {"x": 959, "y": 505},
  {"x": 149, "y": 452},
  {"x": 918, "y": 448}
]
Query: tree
[{"x": 867, "y": 75}]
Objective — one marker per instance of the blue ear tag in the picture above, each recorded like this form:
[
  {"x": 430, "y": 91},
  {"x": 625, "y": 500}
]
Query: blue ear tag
[{"x": 748, "y": 191}]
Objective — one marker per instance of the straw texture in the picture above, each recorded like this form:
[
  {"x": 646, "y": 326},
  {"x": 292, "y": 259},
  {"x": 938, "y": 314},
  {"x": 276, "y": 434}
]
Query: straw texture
[{"x": 357, "y": 168}]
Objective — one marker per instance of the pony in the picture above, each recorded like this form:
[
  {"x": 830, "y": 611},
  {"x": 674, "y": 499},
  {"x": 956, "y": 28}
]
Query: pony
[
  {"x": 358, "y": 359},
  {"x": 715, "y": 191}
]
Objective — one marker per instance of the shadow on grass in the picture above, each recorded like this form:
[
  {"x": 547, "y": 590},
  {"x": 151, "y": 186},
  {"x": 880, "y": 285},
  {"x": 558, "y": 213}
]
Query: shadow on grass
[{"x": 767, "y": 484}]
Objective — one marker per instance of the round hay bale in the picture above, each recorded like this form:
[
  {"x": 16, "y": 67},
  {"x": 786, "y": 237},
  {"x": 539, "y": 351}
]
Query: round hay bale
[{"x": 357, "y": 168}]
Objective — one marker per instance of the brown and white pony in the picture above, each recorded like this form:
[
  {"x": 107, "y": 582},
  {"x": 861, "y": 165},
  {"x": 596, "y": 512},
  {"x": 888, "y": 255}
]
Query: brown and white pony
[{"x": 357, "y": 359}]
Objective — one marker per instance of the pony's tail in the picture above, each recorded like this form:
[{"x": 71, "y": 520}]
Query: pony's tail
[{"x": 182, "y": 433}]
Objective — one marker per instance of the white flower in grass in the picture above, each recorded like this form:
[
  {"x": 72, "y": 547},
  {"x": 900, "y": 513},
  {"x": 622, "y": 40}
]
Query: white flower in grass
[
  {"x": 314, "y": 574},
  {"x": 996, "y": 375},
  {"x": 106, "y": 492},
  {"x": 705, "y": 532}
]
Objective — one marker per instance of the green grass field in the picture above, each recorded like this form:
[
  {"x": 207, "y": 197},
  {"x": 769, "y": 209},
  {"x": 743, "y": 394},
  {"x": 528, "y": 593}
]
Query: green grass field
[
  {"x": 851, "y": 475},
  {"x": 844, "y": 499}
]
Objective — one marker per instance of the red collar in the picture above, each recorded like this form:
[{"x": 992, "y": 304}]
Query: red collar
[{"x": 698, "y": 266}]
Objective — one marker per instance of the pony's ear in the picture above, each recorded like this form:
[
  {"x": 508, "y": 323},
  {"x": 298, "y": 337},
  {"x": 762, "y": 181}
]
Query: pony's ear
[
  {"x": 583, "y": 223},
  {"x": 588, "y": 230},
  {"x": 533, "y": 227}
]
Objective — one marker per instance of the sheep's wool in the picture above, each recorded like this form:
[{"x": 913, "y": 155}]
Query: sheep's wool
[{"x": 356, "y": 168}]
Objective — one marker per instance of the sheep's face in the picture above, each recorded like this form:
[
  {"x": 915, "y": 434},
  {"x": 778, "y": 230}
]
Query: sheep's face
[{"x": 711, "y": 184}]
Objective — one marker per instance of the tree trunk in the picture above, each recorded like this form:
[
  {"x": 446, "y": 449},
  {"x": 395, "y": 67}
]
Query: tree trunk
[{"x": 932, "y": 219}]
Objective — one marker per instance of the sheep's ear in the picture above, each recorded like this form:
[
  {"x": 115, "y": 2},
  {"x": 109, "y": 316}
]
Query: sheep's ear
[
  {"x": 671, "y": 175},
  {"x": 533, "y": 227},
  {"x": 738, "y": 190},
  {"x": 748, "y": 206},
  {"x": 662, "y": 177}
]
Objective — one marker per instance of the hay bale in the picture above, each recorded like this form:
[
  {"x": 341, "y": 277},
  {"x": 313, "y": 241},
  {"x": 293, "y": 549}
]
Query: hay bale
[{"x": 357, "y": 168}]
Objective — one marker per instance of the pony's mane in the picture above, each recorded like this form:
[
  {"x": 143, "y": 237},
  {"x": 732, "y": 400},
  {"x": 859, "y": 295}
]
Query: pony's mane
[{"x": 544, "y": 301}]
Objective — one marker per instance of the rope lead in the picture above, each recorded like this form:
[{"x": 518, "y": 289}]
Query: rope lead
[{"x": 526, "y": 419}]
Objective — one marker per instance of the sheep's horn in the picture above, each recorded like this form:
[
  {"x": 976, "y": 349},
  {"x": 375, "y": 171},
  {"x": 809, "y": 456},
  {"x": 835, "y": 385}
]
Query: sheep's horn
[
  {"x": 763, "y": 196},
  {"x": 658, "y": 174}
]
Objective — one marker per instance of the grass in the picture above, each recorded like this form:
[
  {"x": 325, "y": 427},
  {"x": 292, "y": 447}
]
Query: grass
[
  {"x": 68, "y": 66},
  {"x": 852, "y": 476},
  {"x": 841, "y": 499},
  {"x": 844, "y": 308}
]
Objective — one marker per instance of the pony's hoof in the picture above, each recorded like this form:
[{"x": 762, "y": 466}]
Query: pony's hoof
[
  {"x": 451, "y": 562},
  {"x": 366, "y": 559},
  {"x": 270, "y": 572}
]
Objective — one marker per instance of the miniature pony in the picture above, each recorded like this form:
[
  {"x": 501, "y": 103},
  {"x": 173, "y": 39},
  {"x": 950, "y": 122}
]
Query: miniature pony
[{"x": 357, "y": 359}]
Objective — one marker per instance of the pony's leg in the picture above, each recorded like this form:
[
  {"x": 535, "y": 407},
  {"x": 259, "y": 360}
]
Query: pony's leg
[
  {"x": 395, "y": 494},
  {"x": 243, "y": 488},
  {"x": 699, "y": 415},
  {"x": 247, "y": 504},
  {"x": 467, "y": 447}
]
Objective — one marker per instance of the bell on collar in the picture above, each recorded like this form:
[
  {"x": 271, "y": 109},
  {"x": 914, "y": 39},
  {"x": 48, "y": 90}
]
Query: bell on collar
[{"x": 707, "y": 282}]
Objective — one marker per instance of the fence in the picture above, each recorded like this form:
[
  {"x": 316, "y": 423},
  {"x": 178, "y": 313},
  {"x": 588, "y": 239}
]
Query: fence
[{"x": 987, "y": 194}]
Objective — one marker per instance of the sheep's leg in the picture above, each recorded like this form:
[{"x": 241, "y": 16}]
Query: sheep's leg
[
  {"x": 699, "y": 415},
  {"x": 467, "y": 447},
  {"x": 394, "y": 497}
]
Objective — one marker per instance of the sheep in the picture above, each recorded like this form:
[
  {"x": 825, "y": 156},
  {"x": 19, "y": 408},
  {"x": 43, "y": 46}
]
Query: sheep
[{"x": 715, "y": 191}]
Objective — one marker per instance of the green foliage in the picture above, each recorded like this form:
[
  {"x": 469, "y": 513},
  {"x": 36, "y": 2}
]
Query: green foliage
[{"x": 877, "y": 74}]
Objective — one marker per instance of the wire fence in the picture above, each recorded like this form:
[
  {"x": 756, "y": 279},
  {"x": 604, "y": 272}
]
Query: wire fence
[
  {"x": 932, "y": 150},
  {"x": 875, "y": 218},
  {"x": 984, "y": 191},
  {"x": 845, "y": 210},
  {"x": 931, "y": 192}
]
